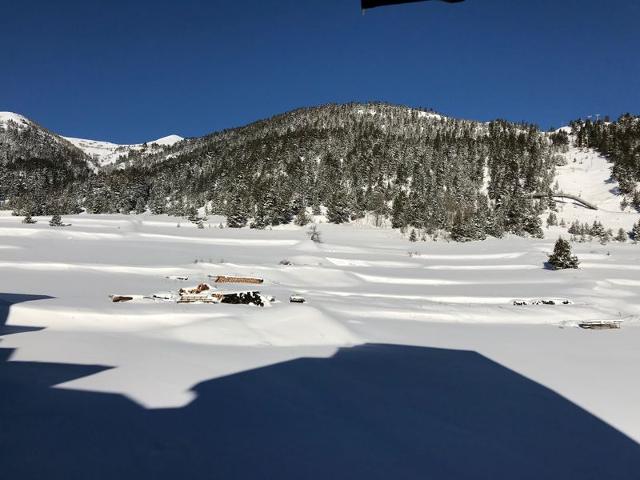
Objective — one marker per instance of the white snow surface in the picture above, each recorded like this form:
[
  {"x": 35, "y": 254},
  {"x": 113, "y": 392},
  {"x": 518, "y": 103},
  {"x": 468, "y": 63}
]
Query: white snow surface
[
  {"x": 587, "y": 174},
  {"x": 362, "y": 286}
]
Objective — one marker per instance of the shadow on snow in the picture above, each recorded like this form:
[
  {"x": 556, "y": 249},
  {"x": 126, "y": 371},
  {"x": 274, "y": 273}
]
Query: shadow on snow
[
  {"x": 8, "y": 299},
  {"x": 374, "y": 411}
]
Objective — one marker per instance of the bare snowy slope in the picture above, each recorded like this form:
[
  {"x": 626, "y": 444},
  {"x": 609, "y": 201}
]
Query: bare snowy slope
[
  {"x": 107, "y": 153},
  {"x": 587, "y": 174}
]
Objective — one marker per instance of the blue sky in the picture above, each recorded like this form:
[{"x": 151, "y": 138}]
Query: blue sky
[{"x": 128, "y": 71}]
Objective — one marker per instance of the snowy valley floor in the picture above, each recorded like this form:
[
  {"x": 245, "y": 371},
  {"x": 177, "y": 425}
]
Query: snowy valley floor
[{"x": 409, "y": 360}]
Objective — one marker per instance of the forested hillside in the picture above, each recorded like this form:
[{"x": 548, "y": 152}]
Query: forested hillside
[
  {"x": 416, "y": 167},
  {"x": 39, "y": 171}
]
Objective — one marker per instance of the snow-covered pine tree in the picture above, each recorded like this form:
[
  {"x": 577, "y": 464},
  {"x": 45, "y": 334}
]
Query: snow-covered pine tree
[
  {"x": 236, "y": 214},
  {"x": 467, "y": 229},
  {"x": 338, "y": 209},
  {"x": 552, "y": 220},
  {"x": 192, "y": 213},
  {"x": 314, "y": 234},
  {"x": 28, "y": 220},
  {"x": 561, "y": 258},
  {"x": 606, "y": 236},
  {"x": 635, "y": 232},
  {"x": 532, "y": 224},
  {"x": 397, "y": 210},
  {"x": 624, "y": 204},
  {"x": 413, "y": 237},
  {"x": 56, "y": 221},
  {"x": 302, "y": 218},
  {"x": 621, "y": 236},
  {"x": 141, "y": 207},
  {"x": 597, "y": 229},
  {"x": 635, "y": 201},
  {"x": 575, "y": 228}
]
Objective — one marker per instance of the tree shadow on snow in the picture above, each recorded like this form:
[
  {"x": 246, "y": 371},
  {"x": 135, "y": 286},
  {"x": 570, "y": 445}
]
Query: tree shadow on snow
[{"x": 370, "y": 412}]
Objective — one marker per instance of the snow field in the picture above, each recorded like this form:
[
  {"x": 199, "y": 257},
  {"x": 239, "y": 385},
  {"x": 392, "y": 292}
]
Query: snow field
[{"x": 362, "y": 286}]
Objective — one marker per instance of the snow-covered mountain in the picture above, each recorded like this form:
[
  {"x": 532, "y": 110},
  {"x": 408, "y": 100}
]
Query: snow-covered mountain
[
  {"x": 100, "y": 153},
  {"x": 413, "y": 167},
  {"x": 19, "y": 120},
  {"x": 23, "y": 140},
  {"x": 107, "y": 153}
]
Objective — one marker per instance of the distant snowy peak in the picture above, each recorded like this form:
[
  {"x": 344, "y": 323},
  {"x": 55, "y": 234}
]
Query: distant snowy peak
[
  {"x": 107, "y": 153},
  {"x": 6, "y": 117},
  {"x": 167, "y": 141}
]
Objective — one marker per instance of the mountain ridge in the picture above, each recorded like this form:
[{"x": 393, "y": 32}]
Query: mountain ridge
[{"x": 415, "y": 167}]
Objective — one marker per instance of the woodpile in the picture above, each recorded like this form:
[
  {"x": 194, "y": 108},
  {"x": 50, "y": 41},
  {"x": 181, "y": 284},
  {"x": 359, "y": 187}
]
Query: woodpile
[
  {"x": 232, "y": 279},
  {"x": 601, "y": 325},
  {"x": 203, "y": 287}
]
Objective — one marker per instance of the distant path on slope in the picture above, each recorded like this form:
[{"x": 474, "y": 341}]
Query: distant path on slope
[{"x": 569, "y": 196}]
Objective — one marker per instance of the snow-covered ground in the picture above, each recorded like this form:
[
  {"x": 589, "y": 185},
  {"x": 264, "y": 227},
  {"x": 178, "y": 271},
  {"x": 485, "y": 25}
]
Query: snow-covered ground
[
  {"x": 362, "y": 285},
  {"x": 587, "y": 174}
]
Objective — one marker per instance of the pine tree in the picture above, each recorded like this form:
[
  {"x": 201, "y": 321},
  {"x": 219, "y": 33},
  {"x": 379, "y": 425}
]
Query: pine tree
[
  {"x": 597, "y": 229},
  {"x": 635, "y": 232},
  {"x": 157, "y": 205},
  {"x": 302, "y": 218},
  {"x": 606, "y": 237},
  {"x": 552, "y": 220},
  {"x": 377, "y": 205},
  {"x": 574, "y": 228},
  {"x": 624, "y": 204},
  {"x": 561, "y": 257},
  {"x": 192, "y": 213},
  {"x": 621, "y": 236},
  {"x": 56, "y": 221},
  {"x": 260, "y": 220},
  {"x": 635, "y": 201},
  {"x": 314, "y": 234},
  {"x": 236, "y": 214},
  {"x": 141, "y": 207},
  {"x": 397, "y": 211},
  {"x": 532, "y": 225},
  {"x": 28, "y": 219},
  {"x": 338, "y": 209},
  {"x": 467, "y": 228},
  {"x": 413, "y": 237}
]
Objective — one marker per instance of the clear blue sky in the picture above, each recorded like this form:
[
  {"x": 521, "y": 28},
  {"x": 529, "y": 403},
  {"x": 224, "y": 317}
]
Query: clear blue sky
[{"x": 128, "y": 71}]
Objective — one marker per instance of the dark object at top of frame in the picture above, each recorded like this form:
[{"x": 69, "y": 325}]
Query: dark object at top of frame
[{"x": 366, "y": 4}]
